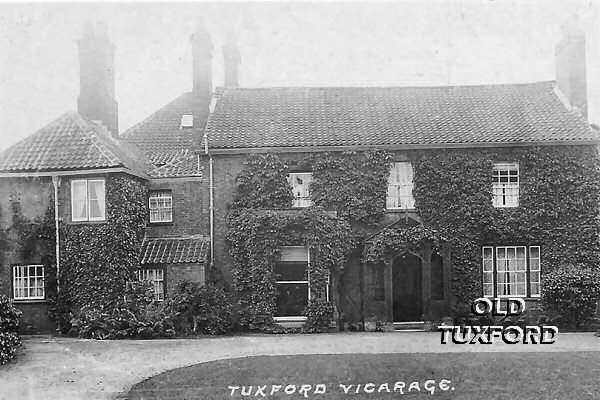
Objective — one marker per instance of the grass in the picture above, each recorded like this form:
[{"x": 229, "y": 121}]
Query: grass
[{"x": 573, "y": 375}]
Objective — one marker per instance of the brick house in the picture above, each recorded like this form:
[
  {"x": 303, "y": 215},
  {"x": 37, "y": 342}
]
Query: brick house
[{"x": 189, "y": 153}]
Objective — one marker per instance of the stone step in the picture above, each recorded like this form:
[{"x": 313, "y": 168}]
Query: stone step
[{"x": 416, "y": 326}]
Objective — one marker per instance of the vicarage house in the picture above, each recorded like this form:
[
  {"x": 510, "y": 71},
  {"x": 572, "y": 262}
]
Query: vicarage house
[{"x": 463, "y": 199}]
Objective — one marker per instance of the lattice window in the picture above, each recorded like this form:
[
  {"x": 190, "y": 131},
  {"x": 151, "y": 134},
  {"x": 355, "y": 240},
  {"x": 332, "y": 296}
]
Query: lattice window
[
  {"x": 160, "y": 204},
  {"x": 28, "y": 282},
  {"x": 505, "y": 181},
  {"x": 511, "y": 271},
  {"x": 157, "y": 278}
]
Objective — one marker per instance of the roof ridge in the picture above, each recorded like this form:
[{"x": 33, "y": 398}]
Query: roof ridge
[{"x": 221, "y": 89}]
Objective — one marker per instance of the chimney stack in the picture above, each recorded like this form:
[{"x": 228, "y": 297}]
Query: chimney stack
[
  {"x": 96, "y": 99},
  {"x": 232, "y": 60},
  {"x": 202, "y": 63},
  {"x": 571, "y": 65}
]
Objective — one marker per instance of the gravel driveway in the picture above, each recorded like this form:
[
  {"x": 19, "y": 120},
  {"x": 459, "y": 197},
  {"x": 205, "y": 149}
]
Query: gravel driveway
[{"x": 63, "y": 368}]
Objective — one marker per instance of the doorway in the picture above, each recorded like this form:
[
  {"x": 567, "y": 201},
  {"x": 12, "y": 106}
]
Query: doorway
[{"x": 407, "y": 303}]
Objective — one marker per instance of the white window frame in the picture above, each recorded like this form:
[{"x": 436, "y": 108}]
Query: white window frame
[
  {"x": 24, "y": 283},
  {"x": 158, "y": 197},
  {"x": 494, "y": 265},
  {"x": 301, "y": 191},
  {"x": 87, "y": 201},
  {"x": 156, "y": 277},
  {"x": 400, "y": 187},
  {"x": 505, "y": 194},
  {"x": 307, "y": 282}
]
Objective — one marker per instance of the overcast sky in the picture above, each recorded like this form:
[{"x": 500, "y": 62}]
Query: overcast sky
[{"x": 416, "y": 43}]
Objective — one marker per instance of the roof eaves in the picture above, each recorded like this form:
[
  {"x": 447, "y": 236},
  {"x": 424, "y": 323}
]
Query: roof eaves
[{"x": 415, "y": 146}]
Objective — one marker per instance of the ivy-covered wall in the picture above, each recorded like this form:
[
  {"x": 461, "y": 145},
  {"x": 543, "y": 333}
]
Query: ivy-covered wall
[
  {"x": 97, "y": 258},
  {"x": 558, "y": 205}
]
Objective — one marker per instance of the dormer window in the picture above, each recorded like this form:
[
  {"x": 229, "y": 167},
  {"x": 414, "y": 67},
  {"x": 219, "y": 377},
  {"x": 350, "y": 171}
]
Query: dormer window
[{"x": 187, "y": 121}]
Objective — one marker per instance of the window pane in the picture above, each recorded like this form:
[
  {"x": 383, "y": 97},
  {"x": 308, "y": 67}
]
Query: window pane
[
  {"x": 300, "y": 182},
  {"x": 291, "y": 299},
  {"x": 400, "y": 186},
  {"x": 79, "y": 200},
  {"x": 96, "y": 199},
  {"x": 294, "y": 253},
  {"x": 291, "y": 271}
]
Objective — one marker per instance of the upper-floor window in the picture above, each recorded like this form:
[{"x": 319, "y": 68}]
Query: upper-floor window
[
  {"x": 160, "y": 204},
  {"x": 156, "y": 277},
  {"x": 511, "y": 271},
  {"x": 505, "y": 180},
  {"x": 400, "y": 187},
  {"x": 87, "y": 200},
  {"x": 28, "y": 282},
  {"x": 300, "y": 182}
]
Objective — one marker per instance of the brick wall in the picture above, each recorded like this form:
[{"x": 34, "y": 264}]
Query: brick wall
[
  {"x": 34, "y": 195},
  {"x": 190, "y": 207}
]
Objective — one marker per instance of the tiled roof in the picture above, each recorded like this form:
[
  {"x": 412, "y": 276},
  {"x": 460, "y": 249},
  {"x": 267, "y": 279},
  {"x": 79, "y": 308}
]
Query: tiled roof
[
  {"x": 160, "y": 133},
  {"x": 174, "y": 250},
  {"x": 182, "y": 163},
  {"x": 72, "y": 143},
  {"x": 394, "y": 116}
]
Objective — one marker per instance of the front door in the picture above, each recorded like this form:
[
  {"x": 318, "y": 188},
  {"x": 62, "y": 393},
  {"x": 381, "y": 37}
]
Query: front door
[{"x": 406, "y": 289}]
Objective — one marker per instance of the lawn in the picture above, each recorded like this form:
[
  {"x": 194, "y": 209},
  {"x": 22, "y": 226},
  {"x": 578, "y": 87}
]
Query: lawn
[{"x": 572, "y": 375}]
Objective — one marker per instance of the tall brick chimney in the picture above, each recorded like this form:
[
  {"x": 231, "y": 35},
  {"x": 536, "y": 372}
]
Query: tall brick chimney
[
  {"x": 96, "y": 99},
  {"x": 571, "y": 65},
  {"x": 202, "y": 47},
  {"x": 232, "y": 60}
]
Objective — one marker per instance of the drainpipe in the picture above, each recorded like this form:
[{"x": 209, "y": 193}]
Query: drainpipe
[
  {"x": 211, "y": 200},
  {"x": 56, "y": 184}
]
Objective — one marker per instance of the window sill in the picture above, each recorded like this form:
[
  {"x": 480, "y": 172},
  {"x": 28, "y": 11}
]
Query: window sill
[
  {"x": 397, "y": 210},
  {"x": 104, "y": 221},
  {"x": 290, "y": 319},
  {"x": 161, "y": 223},
  {"x": 29, "y": 301}
]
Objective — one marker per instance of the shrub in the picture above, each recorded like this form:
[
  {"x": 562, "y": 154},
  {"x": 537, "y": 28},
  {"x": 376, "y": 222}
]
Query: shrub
[
  {"x": 133, "y": 316},
  {"x": 201, "y": 309},
  {"x": 572, "y": 291},
  {"x": 9, "y": 325},
  {"x": 319, "y": 315}
]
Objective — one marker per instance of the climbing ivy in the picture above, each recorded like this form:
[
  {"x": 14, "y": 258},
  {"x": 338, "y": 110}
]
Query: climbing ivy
[
  {"x": 392, "y": 241},
  {"x": 353, "y": 184},
  {"x": 263, "y": 184},
  {"x": 256, "y": 238},
  {"x": 99, "y": 259},
  {"x": 558, "y": 206}
]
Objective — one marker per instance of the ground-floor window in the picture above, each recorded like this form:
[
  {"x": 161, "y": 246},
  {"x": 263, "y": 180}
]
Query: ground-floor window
[
  {"x": 28, "y": 282},
  {"x": 293, "y": 289},
  {"x": 156, "y": 277},
  {"x": 511, "y": 271}
]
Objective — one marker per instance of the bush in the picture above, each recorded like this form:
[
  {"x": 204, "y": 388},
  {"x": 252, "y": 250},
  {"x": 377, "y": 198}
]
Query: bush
[
  {"x": 201, "y": 309},
  {"x": 9, "y": 325},
  {"x": 135, "y": 316},
  {"x": 573, "y": 292},
  {"x": 319, "y": 315}
]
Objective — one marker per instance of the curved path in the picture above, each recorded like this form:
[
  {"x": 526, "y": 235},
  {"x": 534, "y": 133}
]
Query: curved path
[{"x": 64, "y": 368}]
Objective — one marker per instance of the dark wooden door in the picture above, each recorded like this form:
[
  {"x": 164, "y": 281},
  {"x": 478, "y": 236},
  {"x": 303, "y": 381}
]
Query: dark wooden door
[{"x": 406, "y": 289}]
